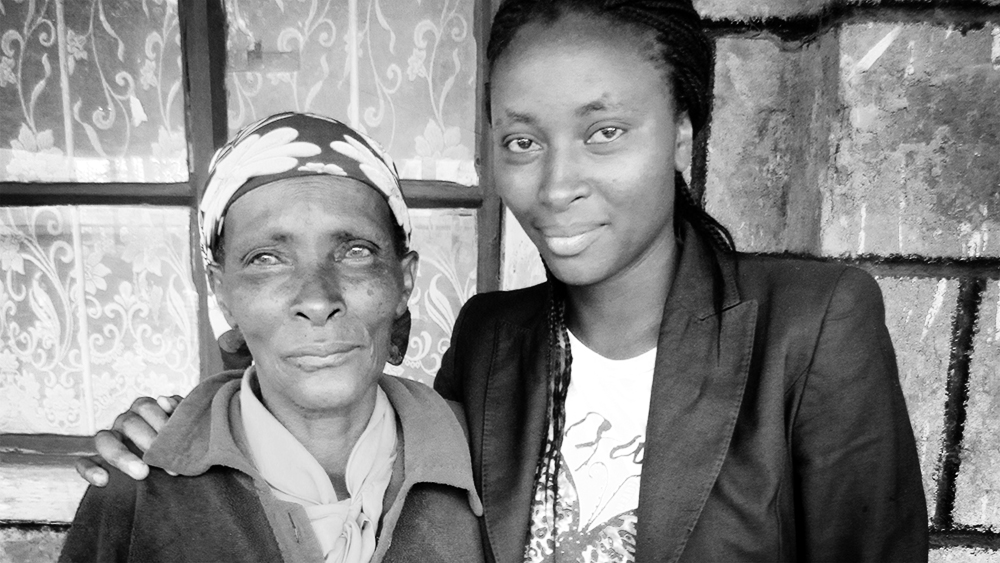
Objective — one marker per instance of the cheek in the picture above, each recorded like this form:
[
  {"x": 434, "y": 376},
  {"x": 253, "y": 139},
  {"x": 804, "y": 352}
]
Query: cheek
[
  {"x": 374, "y": 301},
  {"x": 258, "y": 304},
  {"x": 257, "y": 314},
  {"x": 516, "y": 185}
]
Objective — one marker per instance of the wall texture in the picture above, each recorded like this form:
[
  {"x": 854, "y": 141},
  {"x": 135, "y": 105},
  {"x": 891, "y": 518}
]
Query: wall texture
[{"x": 868, "y": 132}]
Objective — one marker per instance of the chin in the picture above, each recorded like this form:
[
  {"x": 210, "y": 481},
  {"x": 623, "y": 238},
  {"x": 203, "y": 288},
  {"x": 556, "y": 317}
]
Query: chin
[
  {"x": 328, "y": 396},
  {"x": 332, "y": 388},
  {"x": 573, "y": 274}
]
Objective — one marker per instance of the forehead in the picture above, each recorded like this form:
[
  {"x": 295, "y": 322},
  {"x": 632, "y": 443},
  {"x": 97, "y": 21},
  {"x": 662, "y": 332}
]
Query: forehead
[
  {"x": 310, "y": 204},
  {"x": 604, "y": 60}
]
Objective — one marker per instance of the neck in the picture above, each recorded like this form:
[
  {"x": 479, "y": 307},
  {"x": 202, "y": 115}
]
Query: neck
[
  {"x": 328, "y": 436},
  {"x": 619, "y": 318}
]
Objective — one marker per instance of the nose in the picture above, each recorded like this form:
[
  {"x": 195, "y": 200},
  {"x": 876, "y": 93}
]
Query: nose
[
  {"x": 563, "y": 182},
  {"x": 319, "y": 296}
]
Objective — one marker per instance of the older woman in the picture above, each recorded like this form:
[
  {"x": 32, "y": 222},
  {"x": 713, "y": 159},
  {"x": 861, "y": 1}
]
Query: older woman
[{"x": 311, "y": 454}]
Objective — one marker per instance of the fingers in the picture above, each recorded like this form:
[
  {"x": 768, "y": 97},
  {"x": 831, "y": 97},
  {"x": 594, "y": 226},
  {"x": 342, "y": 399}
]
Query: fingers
[
  {"x": 89, "y": 468},
  {"x": 110, "y": 447},
  {"x": 149, "y": 412},
  {"x": 168, "y": 404},
  {"x": 132, "y": 432}
]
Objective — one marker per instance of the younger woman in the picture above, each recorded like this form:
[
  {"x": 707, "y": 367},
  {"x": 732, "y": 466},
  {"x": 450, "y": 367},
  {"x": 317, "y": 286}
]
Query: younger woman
[{"x": 661, "y": 397}]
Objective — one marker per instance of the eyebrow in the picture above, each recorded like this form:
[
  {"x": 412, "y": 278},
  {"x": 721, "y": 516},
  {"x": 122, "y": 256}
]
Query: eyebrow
[
  {"x": 596, "y": 106},
  {"x": 518, "y": 117},
  {"x": 583, "y": 111},
  {"x": 337, "y": 237}
]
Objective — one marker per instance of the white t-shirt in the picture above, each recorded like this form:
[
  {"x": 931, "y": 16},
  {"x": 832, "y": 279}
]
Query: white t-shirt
[{"x": 607, "y": 405}]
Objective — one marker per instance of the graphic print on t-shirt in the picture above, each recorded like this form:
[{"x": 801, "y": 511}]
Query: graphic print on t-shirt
[
  {"x": 598, "y": 495},
  {"x": 601, "y": 463},
  {"x": 604, "y": 466}
]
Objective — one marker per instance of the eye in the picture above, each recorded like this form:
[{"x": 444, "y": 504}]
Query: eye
[
  {"x": 605, "y": 135},
  {"x": 263, "y": 259},
  {"x": 521, "y": 145},
  {"x": 358, "y": 252}
]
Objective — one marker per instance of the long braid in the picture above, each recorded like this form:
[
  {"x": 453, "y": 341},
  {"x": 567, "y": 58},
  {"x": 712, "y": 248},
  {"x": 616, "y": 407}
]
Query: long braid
[{"x": 559, "y": 362}]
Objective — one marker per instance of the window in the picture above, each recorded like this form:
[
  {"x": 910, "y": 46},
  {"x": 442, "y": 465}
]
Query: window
[{"x": 110, "y": 112}]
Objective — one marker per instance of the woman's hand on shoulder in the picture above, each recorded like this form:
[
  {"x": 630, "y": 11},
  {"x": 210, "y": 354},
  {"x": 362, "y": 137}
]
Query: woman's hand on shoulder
[{"x": 137, "y": 426}]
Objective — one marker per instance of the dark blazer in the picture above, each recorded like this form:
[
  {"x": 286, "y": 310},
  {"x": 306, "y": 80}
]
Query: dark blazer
[{"x": 777, "y": 428}]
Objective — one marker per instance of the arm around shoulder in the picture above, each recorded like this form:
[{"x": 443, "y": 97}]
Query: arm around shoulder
[{"x": 856, "y": 469}]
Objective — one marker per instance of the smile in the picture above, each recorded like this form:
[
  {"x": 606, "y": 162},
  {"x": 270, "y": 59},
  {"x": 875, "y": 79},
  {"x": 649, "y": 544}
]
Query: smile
[{"x": 565, "y": 245}]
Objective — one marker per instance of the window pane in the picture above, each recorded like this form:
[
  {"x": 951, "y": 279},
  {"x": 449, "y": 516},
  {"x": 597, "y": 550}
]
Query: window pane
[
  {"x": 91, "y": 91},
  {"x": 404, "y": 72},
  {"x": 446, "y": 242},
  {"x": 97, "y": 307}
]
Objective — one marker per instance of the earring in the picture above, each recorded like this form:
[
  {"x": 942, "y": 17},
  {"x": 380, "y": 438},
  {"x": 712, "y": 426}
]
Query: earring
[{"x": 400, "y": 338}]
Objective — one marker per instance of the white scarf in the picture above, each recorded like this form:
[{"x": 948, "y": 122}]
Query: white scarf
[{"x": 345, "y": 528}]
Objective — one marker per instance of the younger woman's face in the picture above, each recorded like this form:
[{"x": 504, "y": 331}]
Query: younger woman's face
[{"x": 586, "y": 144}]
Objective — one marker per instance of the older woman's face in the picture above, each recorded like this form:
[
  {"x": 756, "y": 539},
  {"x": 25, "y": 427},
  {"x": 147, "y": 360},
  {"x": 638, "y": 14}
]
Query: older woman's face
[{"x": 312, "y": 278}]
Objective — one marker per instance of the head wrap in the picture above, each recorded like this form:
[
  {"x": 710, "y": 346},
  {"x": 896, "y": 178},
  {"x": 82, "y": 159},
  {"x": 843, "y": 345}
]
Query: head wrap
[{"x": 287, "y": 145}]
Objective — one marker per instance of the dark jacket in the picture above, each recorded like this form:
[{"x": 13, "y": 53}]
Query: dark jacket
[
  {"x": 777, "y": 428},
  {"x": 219, "y": 508}
]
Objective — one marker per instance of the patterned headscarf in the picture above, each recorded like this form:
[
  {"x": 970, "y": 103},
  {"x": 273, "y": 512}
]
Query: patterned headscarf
[{"x": 287, "y": 145}]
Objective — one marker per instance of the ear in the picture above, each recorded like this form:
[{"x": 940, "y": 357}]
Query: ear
[
  {"x": 409, "y": 264},
  {"x": 683, "y": 143},
  {"x": 217, "y": 281}
]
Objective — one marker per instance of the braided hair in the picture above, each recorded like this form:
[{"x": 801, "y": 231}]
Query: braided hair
[{"x": 680, "y": 46}]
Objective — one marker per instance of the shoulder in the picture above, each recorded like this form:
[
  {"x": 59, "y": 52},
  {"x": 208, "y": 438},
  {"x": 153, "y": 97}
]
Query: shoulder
[
  {"x": 512, "y": 306},
  {"x": 105, "y": 520},
  {"x": 519, "y": 307},
  {"x": 416, "y": 393},
  {"x": 804, "y": 283},
  {"x": 418, "y": 404}
]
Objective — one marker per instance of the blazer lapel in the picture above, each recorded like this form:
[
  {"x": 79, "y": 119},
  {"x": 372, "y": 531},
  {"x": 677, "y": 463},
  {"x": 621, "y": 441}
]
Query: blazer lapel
[
  {"x": 514, "y": 426},
  {"x": 702, "y": 361}
]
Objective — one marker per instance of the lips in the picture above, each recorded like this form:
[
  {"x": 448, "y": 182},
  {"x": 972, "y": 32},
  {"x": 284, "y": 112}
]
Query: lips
[
  {"x": 325, "y": 356},
  {"x": 570, "y": 240}
]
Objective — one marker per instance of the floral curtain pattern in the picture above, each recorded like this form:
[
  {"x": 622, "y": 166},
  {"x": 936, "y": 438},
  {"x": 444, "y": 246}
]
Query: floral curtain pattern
[
  {"x": 446, "y": 278},
  {"x": 403, "y": 71},
  {"x": 96, "y": 308},
  {"x": 91, "y": 91}
]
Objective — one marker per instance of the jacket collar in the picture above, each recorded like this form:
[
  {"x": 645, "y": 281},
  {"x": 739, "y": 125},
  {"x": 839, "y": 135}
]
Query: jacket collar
[
  {"x": 204, "y": 431},
  {"x": 702, "y": 363},
  {"x": 703, "y": 355},
  {"x": 436, "y": 449},
  {"x": 712, "y": 287}
]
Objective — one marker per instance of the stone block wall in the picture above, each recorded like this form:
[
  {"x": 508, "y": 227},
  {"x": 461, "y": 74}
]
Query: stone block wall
[
  {"x": 869, "y": 132},
  {"x": 31, "y": 543}
]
